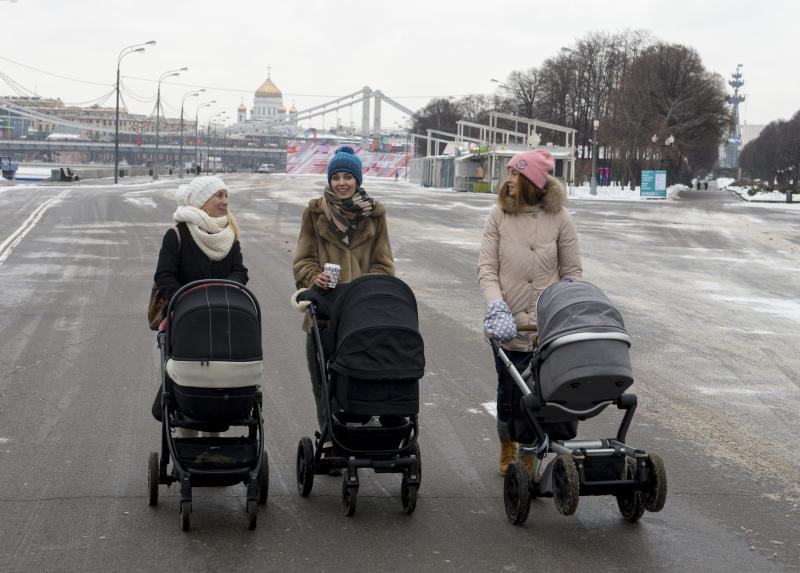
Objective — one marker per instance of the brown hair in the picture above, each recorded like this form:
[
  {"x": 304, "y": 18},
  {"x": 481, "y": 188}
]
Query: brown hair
[{"x": 527, "y": 194}]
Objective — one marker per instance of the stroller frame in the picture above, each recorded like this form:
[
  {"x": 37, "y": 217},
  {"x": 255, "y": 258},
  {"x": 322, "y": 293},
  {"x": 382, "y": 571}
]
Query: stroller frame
[
  {"x": 316, "y": 459},
  {"x": 252, "y": 469},
  {"x": 606, "y": 466}
]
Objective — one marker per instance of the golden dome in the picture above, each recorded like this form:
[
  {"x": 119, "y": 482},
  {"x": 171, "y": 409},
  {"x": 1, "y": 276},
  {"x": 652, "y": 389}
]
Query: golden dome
[
  {"x": 293, "y": 110},
  {"x": 281, "y": 109},
  {"x": 268, "y": 89},
  {"x": 242, "y": 107}
]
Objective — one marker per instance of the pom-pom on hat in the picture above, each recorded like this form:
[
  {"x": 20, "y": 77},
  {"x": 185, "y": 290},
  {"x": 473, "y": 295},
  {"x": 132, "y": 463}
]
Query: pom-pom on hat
[
  {"x": 534, "y": 165},
  {"x": 345, "y": 159},
  {"x": 200, "y": 190}
]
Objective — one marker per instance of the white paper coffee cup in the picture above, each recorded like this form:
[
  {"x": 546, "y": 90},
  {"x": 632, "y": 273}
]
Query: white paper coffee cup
[{"x": 333, "y": 272}]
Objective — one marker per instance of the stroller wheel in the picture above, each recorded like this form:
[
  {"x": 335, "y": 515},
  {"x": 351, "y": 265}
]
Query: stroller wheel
[
  {"x": 418, "y": 455},
  {"x": 185, "y": 512},
  {"x": 631, "y": 501},
  {"x": 252, "y": 514},
  {"x": 566, "y": 484},
  {"x": 305, "y": 466},
  {"x": 349, "y": 497},
  {"x": 516, "y": 493},
  {"x": 408, "y": 496},
  {"x": 152, "y": 478},
  {"x": 263, "y": 480},
  {"x": 655, "y": 493}
]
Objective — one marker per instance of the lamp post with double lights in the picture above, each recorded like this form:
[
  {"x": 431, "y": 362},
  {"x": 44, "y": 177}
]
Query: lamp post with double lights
[
  {"x": 180, "y": 153},
  {"x": 196, "y": 129},
  {"x": 516, "y": 103},
  {"x": 125, "y": 51},
  {"x": 169, "y": 74},
  {"x": 596, "y": 120},
  {"x": 664, "y": 162}
]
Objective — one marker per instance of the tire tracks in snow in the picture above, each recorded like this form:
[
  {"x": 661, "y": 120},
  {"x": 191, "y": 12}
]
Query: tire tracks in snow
[{"x": 7, "y": 246}]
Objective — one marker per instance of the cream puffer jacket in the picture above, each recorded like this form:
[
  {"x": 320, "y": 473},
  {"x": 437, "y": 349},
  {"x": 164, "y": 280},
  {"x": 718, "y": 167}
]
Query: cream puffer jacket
[{"x": 521, "y": 254}]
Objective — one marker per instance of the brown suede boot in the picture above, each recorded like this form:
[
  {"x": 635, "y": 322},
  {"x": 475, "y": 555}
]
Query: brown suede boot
[
  {"x": 508, "y": 453},
  {"x": 528, "y": 461}
]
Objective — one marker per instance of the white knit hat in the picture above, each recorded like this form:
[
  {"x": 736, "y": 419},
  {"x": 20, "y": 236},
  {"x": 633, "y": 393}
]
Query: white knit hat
[{"x": 200, "y": 190}]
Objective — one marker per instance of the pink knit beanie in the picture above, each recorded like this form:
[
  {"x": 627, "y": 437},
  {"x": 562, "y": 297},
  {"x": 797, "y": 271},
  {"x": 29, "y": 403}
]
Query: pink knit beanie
[{"x": 534, "y": 165}]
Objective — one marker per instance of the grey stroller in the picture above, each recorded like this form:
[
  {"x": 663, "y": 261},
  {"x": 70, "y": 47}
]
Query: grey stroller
[{"x": 580, "y": 365}]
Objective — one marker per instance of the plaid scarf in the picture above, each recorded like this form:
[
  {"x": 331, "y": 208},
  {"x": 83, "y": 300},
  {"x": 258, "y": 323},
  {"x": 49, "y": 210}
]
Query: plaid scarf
[{"x": 344, "y": 214}]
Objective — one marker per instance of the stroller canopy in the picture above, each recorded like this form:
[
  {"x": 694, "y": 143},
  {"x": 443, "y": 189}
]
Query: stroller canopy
[
  {"x": 575, "y": 307},
  {"x": 376, "y": 331},
  {"x": 215, "y": 321}
]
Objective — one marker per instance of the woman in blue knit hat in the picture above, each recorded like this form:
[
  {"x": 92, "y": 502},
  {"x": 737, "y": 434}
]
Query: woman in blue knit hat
[{"x": 346, "y": 227}]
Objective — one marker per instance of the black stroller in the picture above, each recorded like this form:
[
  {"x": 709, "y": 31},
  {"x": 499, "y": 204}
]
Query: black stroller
[
  {"x": 580, "y": 365},
  {"x": 370, "y": 357},
  {"x": 211, "y": 364}
]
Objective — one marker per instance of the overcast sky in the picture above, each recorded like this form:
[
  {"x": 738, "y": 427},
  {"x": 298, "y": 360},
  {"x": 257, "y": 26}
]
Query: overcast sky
[{"x": 411, "y": 50}]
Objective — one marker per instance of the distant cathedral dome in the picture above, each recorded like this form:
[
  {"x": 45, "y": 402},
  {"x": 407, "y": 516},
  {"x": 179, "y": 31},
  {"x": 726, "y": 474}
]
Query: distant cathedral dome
[
  {"x": 268, "y": 89},
  {"x": 242, "y": 107}
]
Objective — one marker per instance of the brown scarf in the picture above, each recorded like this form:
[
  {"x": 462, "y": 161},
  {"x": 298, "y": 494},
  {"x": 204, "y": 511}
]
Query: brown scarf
[{"x": 344, "y": 214}]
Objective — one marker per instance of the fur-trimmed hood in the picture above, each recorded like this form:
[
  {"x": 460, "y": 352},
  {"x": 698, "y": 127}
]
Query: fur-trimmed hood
[{"x": 555, "y": 197}]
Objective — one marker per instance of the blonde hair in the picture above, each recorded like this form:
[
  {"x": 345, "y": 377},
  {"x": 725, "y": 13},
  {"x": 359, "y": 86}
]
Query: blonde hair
[{"x": 232, "y": 222}]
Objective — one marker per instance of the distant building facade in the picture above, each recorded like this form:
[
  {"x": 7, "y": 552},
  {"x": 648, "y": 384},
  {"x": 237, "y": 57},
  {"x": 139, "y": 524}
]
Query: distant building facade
[{"x": 39, "y": 119}]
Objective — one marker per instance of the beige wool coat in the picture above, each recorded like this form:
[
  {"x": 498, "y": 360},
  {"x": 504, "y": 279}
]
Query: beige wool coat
[
  {"x": 521, "y": 254},
  {"x": 369, "y": 251}
]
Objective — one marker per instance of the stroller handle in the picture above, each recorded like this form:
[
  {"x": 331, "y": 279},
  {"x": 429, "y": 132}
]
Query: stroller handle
[{"x": 526, "y": 328}]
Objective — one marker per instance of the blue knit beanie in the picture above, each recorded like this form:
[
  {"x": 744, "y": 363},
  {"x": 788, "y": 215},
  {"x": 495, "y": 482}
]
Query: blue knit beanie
[{"x": 345, "y": 159}]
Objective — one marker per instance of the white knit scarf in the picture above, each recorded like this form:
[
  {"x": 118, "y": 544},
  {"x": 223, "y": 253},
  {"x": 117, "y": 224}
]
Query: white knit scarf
[{"x": 212, "y": 234}]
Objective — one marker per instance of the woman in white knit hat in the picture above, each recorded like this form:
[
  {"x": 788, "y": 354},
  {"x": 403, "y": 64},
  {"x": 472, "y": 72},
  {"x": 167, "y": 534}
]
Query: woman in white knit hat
[
  {"x": 209, "y": 239},
  {"x": 206, "y": 245}
]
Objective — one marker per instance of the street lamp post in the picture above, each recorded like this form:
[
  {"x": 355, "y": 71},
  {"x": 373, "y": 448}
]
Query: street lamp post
[
  {"x": 595, "y": 125},
  {"x": 196, "y": 124},
  {"x": 596, "y": 120},
  {"x": 168, "y": 74},
  {"x": 516, "y": 103},
  {"x": 220, "y": 114},
  {"x": 180, "y": 153},
  {"x": 125, "y": 51}
]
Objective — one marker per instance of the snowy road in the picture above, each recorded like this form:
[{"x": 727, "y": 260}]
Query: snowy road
[{"x": 708, "y": 289}]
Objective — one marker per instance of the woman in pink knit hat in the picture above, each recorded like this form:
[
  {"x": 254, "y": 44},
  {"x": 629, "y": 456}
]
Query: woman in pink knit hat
[{"x": 529, "y": 242}]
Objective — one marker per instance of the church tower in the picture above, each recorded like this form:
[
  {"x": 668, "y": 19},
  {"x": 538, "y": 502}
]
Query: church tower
[{"x": 268, "y": 101}]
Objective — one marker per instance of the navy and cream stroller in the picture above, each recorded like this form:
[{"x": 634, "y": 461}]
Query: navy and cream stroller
[
  {"x": 580, "y": 365},
  {"x": 371, "y": 357},
  {"x": 211, "y": 365}
]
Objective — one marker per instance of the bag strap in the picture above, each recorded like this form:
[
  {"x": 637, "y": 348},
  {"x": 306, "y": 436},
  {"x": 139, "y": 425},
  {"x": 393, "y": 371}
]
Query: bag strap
[{"x": 177, "y": 232}]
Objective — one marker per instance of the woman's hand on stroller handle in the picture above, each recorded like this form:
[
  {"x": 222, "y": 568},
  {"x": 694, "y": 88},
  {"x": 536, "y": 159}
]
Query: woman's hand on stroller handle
[{"x": 499, "y": 321}]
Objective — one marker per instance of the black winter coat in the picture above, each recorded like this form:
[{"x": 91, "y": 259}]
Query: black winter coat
[{"x": 178, "y": 266}]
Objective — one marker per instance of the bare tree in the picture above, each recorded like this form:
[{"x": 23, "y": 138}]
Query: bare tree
[
  {"x": 775, "y": 154},
  {"x": 440, "y": 114},
  {"x": 666, "y": 93}
]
